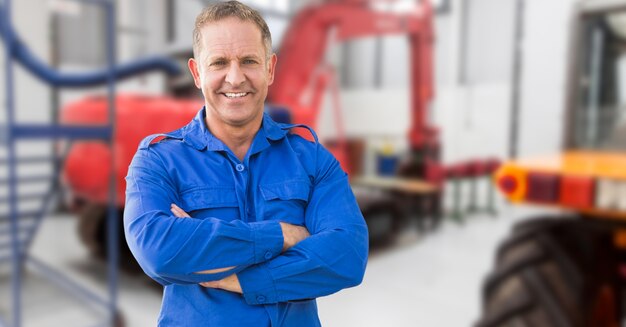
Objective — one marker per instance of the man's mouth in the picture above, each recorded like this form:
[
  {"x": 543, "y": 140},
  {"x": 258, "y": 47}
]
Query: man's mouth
[{"x": 235, "y": 95}]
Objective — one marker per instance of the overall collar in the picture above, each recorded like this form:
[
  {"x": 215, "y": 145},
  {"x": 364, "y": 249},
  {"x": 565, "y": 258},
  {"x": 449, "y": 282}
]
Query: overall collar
[{"x": 197, "y": 135}]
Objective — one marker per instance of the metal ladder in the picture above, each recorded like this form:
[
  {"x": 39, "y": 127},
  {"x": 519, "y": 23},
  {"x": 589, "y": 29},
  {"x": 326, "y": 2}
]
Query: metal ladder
[{"x": 18, "y": 227}]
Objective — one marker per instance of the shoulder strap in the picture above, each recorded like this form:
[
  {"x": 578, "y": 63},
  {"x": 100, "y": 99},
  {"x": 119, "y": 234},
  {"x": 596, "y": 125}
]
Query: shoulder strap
[
  {"x": 290, "y": 126},
  {"x": 145, "y": 143}
]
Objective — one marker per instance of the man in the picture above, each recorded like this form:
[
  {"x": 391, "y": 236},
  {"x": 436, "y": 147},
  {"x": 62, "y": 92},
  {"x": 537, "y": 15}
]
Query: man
[{"x": 244, "y": 223}]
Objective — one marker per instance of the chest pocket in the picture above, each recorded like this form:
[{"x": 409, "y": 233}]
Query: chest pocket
[
  {"x": 285, "y": 201},
  {"x": 217, "y": 202}
]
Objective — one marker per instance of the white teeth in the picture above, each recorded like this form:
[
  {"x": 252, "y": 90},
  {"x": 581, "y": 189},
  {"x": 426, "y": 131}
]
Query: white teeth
[{"x": 235, "y": 95}]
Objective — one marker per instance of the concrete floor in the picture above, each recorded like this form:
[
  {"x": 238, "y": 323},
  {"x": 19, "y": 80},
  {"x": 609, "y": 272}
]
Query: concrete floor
[{"x": 421, "y": 280}]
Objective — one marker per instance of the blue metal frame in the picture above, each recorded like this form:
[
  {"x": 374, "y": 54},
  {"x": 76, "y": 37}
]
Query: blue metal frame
[
  {"x": 84, "y": 79},
  {"x": 113, "y": 221},
  {"x": 16, "y": 281},
  {"x": 13, "y": 132}
]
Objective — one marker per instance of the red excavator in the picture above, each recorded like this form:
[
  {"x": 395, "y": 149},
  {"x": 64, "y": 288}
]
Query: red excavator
[{"x": 301, "y": 79}]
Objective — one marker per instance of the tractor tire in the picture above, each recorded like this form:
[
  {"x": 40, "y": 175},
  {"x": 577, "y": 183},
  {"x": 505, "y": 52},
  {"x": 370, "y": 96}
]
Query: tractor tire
[
  {"x": 92, "y": 230},
  {"x": 554, "y": 272},
  {"x": 383, "y": 217}
]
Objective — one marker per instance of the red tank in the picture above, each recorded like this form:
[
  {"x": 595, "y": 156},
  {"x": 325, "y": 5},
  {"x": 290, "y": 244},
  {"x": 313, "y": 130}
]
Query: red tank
[{"x": 88, "y": 163}]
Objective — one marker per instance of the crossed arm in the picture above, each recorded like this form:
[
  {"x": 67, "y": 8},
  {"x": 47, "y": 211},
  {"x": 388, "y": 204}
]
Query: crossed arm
[{"x": 292, "y": 234}]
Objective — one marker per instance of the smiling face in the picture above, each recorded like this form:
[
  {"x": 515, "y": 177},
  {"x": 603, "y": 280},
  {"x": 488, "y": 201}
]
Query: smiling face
[{"x": 233, "y": 72}]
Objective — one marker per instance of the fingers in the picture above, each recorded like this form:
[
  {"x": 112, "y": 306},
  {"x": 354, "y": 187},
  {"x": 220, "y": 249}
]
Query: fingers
[
  {"x": 305, "y": 231},
  {"x": 178, "y": 212},
  {"x": 209, "y": 284},
  {"x": 293, "y": 234},
  {"x": 230, "y": 283}
]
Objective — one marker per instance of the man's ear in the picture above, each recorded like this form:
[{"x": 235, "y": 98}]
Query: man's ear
[
  {"x": 272, "y": 68},
  {"x": 193, "y": 68}
]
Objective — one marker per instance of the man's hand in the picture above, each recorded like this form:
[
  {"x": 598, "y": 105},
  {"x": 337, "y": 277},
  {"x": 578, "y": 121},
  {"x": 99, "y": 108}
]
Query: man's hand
[
  {"x": 292, "y": 234},
  {"x": 178, "y": 212},
  {"x": 230, "y": 283}
]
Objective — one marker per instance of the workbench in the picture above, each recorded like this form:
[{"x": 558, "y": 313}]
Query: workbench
[
  {"x": 397, "y": 199},
  {"x": 397, "y": 184}
]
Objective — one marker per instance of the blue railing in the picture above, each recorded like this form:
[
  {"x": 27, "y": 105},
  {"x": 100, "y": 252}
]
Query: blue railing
[{"x": 24, "y": 224}]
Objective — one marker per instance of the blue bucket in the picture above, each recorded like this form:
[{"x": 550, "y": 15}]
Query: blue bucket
[{"x": 387, "y": 165}]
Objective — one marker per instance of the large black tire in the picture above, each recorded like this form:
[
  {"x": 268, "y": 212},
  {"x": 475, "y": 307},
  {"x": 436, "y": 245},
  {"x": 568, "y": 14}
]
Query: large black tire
[
  {"x": 92, "y": 231},
  {"x": 554, "y": 272},
  {"x": 384, "y": 222}
]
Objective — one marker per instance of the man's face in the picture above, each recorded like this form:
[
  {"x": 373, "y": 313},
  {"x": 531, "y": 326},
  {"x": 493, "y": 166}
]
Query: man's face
[{"x": 233, "y": 72}]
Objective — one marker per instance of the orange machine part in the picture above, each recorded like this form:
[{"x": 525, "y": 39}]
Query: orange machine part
[
  {"x": 578, "y": 170},
  {"x": 512, "y": 173},
  {"x": 88, "y": 165},
  {"x": 619, "y": 239}
]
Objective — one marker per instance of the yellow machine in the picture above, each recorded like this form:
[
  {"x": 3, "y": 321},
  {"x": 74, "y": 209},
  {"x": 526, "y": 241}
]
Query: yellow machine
[{"x": 569, "y": 269}]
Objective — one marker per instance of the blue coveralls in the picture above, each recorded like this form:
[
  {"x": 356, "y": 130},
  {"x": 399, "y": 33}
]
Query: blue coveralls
[{"x": 235, "y": 208}]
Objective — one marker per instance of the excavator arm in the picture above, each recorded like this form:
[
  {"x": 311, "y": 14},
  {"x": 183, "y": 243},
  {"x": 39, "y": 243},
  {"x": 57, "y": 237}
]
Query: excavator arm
[{"x": 300, "y": 81}]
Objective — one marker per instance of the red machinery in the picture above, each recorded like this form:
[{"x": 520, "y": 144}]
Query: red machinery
[{"x": 87, "y": 166}]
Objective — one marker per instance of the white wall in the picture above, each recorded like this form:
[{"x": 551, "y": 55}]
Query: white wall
[
  {"x": 489, "y": 44},
  {"x": 475, "y": 116},
  {"x": 472, "y": 102},
  {"x": 544, "y": 80}
]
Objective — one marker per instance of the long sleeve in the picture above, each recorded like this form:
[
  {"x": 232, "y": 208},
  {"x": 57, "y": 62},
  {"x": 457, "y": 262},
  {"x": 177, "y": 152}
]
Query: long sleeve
[
  {"x": 174, "y": 250},
  {"x": 332, "y": 258}
]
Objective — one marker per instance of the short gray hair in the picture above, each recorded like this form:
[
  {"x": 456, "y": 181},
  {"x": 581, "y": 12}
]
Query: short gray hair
[{"x": 222, "y": 10}]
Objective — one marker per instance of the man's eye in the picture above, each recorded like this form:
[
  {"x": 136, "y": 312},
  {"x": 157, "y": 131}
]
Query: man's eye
[
  {"x": 249, "y": 61},
  {"x": 218, "y": 63}
]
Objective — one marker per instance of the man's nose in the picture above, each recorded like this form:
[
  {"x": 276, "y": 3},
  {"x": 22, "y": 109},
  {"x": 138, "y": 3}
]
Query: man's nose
[{"x": 235, "y": 75}]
